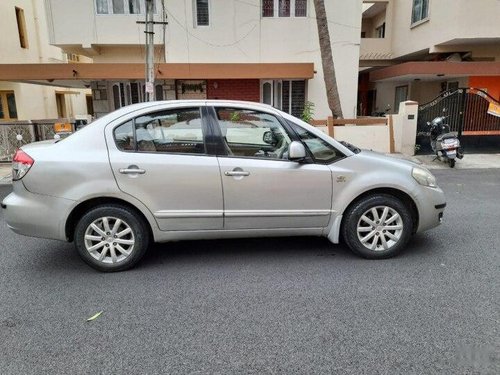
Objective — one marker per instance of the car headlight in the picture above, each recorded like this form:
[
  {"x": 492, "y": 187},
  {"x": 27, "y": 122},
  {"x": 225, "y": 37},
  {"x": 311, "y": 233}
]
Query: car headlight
[{"x": 424, "y": 177}]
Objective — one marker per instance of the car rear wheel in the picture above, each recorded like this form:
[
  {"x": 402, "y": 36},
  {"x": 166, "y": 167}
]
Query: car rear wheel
[
  {"x": 377, "y": 226},
  {"x": 111, "y": 238}
]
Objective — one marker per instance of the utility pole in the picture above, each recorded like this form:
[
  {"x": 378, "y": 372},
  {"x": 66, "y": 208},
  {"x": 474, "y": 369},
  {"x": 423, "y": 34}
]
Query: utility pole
[
  {"x": 150, "y": 49},
  {"x": 150, "y": 72}
]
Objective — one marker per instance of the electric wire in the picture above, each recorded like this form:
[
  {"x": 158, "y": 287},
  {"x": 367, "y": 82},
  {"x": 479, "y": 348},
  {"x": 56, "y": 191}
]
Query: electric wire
[
  {"x": 310, "y": 17},
  {"x": 206, "y": 42}
]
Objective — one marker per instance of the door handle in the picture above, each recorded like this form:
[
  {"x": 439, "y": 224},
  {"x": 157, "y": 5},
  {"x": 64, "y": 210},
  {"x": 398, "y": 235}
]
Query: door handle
[
  {"x": 132, "y": 171},
  {"x": 237, "y": 173}
]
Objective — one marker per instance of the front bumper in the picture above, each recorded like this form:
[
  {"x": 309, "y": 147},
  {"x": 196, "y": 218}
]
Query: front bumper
[
  {"x": 431, "y": 203},
  {"x": 35, "y": 215}
]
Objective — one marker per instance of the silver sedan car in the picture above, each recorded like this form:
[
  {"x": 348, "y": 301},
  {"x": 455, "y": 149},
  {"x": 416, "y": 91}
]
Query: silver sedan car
[{"x": 178, "y": 170}]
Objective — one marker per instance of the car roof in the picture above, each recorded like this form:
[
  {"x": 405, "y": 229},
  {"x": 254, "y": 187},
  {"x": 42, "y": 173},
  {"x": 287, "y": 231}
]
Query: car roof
[{"x": 214, "y": 102}]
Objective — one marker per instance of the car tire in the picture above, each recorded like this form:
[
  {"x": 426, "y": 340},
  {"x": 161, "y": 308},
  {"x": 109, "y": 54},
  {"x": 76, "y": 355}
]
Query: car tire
[
  {"x": 377, "y": 226},
  {"x": 111, "y": 238}
]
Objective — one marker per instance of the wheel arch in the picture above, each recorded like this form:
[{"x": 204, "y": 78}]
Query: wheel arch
[
  {"x": 400, "y": 194},
  {"x": 83, "y": 207}
]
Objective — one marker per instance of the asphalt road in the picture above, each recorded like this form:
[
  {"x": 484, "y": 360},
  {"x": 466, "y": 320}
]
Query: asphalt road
[{"x": 269, "y": 306}]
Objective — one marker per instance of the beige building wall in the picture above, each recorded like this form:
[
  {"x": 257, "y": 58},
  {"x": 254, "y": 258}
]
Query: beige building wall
[
  {"x": 451, "y": 26},
  {"x": 237, "y": 34},
  {"x": 34, "y": 101},
  {"x": 373, "y": 48},
  {"x": 450, "y": 22}
]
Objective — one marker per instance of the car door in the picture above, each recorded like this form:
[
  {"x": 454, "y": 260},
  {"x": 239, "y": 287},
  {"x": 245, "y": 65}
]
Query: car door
[
  {"x": 262, "y": 188},
  {"x": 161, "y": 158}
]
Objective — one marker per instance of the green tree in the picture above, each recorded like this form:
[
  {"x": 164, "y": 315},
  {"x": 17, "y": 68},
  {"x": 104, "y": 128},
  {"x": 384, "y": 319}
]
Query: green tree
[{"x": 308, "y": 112}]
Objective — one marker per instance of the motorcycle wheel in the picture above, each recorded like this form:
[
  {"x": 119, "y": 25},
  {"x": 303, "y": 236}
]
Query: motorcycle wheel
[{"x": 451, "y": 162}]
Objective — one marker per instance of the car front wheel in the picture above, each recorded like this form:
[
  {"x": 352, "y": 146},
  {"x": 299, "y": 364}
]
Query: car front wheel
[
  {"x": 378, "y": 226},
  {"x": 111, "y": 238}
]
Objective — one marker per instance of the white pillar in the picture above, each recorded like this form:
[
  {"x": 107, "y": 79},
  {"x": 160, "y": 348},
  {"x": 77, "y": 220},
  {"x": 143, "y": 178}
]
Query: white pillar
[{"x": 405, "y": 127}]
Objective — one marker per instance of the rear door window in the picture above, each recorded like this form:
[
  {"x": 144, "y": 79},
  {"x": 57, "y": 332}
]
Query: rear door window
[{"x": 172, "y": 131}]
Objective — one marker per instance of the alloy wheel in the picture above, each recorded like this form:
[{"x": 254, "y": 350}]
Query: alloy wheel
[
  {"x": 109, "y": 240},
  {"x": 380, "y": 228}
]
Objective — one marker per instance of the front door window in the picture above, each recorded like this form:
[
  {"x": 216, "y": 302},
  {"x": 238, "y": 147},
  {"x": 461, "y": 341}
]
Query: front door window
[{"x": 252, "y": 134}]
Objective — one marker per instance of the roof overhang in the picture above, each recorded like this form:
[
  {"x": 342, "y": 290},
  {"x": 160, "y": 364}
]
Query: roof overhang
[
  {"x": 433, "y": 70},
  {"x": 66, "y": 73}
]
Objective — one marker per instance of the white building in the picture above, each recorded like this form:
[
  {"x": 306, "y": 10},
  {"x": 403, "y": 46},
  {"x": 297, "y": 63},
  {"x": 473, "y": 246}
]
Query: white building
[
  {"x": 415, "y": 49},
  {"x": 23, "y": 26},
  {"x": 259, "y": 50}
]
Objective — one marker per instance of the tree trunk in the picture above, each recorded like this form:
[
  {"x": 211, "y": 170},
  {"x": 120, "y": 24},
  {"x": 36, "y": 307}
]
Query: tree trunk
[{"x": 332, "y": 93}]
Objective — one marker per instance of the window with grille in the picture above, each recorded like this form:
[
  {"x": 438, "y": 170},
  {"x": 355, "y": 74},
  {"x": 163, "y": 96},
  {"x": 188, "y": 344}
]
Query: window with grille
[
  {"x": 8, "y": 109},
  {"x": 202, "y": 13},
  {"x": 267, "y": 8},
  {"x": 300, "y": 8},
  {"x": 287, "y": 95},
  {"x": 135, "y": 92},
  {"x": 119, "y": 95},
  {"x": 159, "y": 92},
  {"x": 122, "y": 6},
  {"x": 420, "y": 10},
  {"x": 284, "y": 8}
]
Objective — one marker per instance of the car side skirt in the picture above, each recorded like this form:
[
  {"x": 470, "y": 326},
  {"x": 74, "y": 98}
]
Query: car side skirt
[{"x": 246, "y": 233}]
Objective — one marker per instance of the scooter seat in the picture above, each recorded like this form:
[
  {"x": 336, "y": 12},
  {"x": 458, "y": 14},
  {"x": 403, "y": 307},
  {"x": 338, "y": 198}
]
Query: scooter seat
[{"x": 444, "y": 136}]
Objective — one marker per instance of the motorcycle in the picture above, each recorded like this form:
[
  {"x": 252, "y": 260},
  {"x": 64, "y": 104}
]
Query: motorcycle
[{"x": 445, "y": 144}]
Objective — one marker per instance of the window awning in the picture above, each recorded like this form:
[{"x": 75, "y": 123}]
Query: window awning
[
  {"x": 48, "y": 73},
  {"x": 429, "y": 70}
]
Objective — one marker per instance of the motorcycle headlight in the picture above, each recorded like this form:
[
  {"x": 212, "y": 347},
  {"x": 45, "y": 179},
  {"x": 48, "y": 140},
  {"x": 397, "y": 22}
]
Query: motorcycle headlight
[{"x": 424, "y": 177}]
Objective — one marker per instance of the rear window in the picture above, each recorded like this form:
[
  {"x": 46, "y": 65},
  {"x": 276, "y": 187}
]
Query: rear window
[{"x": 124, "y": 136}]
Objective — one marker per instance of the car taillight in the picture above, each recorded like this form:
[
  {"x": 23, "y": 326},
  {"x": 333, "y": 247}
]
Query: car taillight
[{"x": 21, "y": 164}]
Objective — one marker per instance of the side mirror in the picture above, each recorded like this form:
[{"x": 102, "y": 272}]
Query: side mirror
[
  {"x": 296, "y": 151},
  {"x": 269, "y": 138}
]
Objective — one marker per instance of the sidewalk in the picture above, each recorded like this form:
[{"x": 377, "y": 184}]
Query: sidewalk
[
  {"x": 470, "y": 161},
  {"x": 5, "y": 173}
]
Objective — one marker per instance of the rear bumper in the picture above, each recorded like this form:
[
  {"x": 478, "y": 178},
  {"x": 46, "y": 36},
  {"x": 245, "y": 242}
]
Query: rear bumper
[{"x": 35, "y": 215}]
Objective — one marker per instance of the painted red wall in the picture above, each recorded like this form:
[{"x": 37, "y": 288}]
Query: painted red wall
[
  {"x": 234, "y": 89},
  {"x": 490, "y": 83}
]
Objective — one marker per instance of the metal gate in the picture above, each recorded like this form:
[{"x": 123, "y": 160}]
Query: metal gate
[
  {"x": 18, "y": 133},
  {"x": 469, "y": 111},
  {"x": 12, "y": 137}
]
